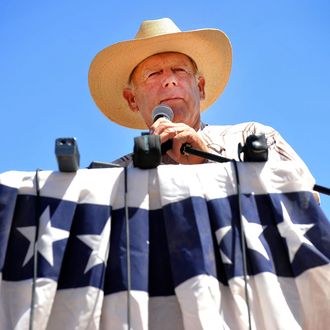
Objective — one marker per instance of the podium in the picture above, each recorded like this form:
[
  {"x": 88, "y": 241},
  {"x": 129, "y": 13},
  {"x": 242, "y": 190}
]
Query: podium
[{"x": 185, "y": 267}]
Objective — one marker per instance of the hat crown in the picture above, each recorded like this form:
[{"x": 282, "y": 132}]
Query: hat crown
[{"x": 152, "y": 28}]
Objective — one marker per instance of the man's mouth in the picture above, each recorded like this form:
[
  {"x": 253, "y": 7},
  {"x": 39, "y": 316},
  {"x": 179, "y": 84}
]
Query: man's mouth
[{"x": 170, "y": 99}]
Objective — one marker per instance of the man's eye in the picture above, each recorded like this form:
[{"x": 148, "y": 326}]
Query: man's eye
[
  {"x": 152, "y": 74},
  {"x": 180, "y": 70}
]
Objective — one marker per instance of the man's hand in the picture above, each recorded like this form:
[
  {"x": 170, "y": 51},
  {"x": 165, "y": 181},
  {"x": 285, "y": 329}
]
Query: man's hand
[{"x": 180, "y": 134}]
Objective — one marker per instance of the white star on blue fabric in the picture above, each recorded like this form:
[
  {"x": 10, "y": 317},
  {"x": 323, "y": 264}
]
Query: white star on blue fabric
[
  {"x": 99, "y": 245},
  {"x": 47, "y": 236},
  {"x": 294, "y": 233},
  {"x": 252, "y": 233},
  {"x": 220, "y": 234},
  {"x": 29, "y": 233}
]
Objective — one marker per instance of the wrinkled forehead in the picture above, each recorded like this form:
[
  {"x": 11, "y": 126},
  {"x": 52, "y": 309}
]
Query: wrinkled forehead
[{"x": 162, "y": 55}]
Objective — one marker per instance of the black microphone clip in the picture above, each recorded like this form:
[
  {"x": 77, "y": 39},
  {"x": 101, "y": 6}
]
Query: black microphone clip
[
  {"x": 255, "y": 148},
  {"x": 147, "y": 151}
]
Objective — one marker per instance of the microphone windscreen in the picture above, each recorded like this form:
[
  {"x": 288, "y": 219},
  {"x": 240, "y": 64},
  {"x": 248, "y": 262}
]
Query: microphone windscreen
[{"x": 162, "y": 110}]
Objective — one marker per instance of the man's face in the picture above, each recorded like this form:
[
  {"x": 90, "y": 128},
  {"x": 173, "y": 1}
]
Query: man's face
[{"x": 167, "y": 78}]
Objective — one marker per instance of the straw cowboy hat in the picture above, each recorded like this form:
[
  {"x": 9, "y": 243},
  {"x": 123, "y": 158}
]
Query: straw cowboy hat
[{"x": 111, "y": 68}]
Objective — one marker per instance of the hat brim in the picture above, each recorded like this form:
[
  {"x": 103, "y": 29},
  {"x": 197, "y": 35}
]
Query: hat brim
[{"x": 111, "y": 67}]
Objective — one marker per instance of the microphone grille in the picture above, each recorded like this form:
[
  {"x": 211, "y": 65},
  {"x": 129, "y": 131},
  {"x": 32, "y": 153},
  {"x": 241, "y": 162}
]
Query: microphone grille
[{"x": 162, "y": 110}]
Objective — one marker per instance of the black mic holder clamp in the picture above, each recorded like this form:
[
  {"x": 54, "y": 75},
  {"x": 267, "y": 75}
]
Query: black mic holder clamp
[
  {"x": 147, "y": 151},
  {"x": 255, "y": 148}
]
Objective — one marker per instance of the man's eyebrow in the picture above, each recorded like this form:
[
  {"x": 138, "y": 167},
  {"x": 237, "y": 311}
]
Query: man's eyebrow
[{"x": 191, "y": 61}]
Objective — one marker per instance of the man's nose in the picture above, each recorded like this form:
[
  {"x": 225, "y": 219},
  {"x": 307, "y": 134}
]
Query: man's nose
[{"x": 169, "y": 79}]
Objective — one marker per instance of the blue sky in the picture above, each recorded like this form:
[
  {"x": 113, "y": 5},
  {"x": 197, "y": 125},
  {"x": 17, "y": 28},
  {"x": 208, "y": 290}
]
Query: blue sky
[{"x": 280, "y": 75}]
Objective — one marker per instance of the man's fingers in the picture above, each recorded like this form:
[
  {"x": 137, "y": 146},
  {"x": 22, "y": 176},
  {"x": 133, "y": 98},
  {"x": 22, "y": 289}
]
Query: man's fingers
[{"x": 180, "y": 134}]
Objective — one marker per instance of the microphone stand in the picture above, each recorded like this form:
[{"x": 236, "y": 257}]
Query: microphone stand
[
  {"x": 148, "y": 152},
  {"x": 322, "y": 189},
  {"x": 188, "y": 149}
]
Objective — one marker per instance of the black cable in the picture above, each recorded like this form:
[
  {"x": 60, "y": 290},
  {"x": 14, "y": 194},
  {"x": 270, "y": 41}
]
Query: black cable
[
  {"x": 321, "y": 189},
  {"x": 35, "y": 250},
  {"x": 186, "y": 148},
  {"x": 128, "y": 253},
  {"x": 243, "y": 243}
]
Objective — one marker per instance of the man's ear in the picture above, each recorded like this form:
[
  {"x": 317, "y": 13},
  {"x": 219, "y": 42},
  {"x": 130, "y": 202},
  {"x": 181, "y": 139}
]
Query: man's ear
[
  {"x": 201, "y": 87},
  {"x": 130, "y": 98}
]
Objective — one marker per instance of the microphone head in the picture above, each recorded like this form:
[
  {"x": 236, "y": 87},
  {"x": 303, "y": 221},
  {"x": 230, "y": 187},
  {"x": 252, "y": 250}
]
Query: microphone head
[{"x": 162, "y": 110}]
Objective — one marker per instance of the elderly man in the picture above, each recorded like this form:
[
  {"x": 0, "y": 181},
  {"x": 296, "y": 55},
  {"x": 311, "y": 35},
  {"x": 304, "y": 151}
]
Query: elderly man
[{"x": 186, "y": 71}]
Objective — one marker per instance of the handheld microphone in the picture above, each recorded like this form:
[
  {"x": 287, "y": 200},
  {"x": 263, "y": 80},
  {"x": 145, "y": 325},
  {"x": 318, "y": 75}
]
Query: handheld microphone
[{"x": 163, "y": 111}]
